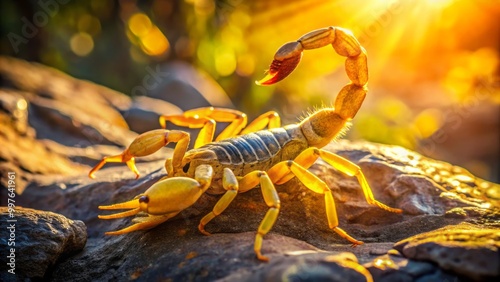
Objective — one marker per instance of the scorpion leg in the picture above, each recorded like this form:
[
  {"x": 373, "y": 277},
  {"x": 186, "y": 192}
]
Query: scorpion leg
[
  {"x": 310, "y": 155},
  {"x": 315, "y": 184},
  {"x": 272, "y": 200},
  {"x": 347, "y": 167},
  {"x": 146, "y": 144},
  {"x": 163, "y": 200},
  {"x": 197, "y": 118},
  {"x": 230, "y": 184},
  {"x": 270, "y": 119},
  {"x": 207, "y": 126}
]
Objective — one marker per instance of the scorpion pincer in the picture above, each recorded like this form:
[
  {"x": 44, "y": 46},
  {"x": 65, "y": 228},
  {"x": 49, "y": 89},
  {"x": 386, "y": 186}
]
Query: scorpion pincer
[{"x": 243, "y": 156}]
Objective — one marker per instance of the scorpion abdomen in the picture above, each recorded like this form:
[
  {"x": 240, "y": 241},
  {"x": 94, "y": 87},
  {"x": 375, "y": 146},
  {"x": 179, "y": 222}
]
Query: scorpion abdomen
[{"x": 258, "y": 150}]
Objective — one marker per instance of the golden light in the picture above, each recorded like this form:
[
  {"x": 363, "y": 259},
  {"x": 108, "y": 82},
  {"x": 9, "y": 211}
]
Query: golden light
[
  {"x": 483, "y": 61},
  {"x": 246, "y": 65},
  {"x": 204, "y": 7},
  {"x": 150, "y": 38},
  {"x": 439, "y": 4},
  {"x": 154, "y": 43},
  {"x": 22, "y": 104},
  {"x": 140, "y": 24},
  {"x": 225, "y": 61},
  {"x": 81, "y": 44},
  {"x": 426, "y": 58},
  {"x": 89, "y": 24},
  {"x": 428, "y": 122},
  {"x": 468, "y": 69}
]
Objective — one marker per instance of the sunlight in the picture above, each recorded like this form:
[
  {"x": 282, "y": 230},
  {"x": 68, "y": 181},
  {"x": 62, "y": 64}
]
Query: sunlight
[
  {"x": 152, "y": 41},
  {"x": 439, "y": 4}
]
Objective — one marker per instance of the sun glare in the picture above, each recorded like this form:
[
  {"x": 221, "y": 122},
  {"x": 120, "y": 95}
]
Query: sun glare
[{"x": 439, "y": 3}]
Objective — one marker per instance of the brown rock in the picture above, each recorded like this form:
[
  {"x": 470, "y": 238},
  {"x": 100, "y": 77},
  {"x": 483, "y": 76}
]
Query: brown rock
[
  {"x": 36, "y": 80},
  {"x": 159, "y": 253},
  {"x": 467, "y": 250},
  {"x": 432, "y": 194},
  {"x": 45, "y": 128},
  {"x": 186, "y": 87},
  {"x": 419, "y": 185},
  {"x": 307, "y": 267},
  {"x": 144, "y": 113},
  {"x": 394, "y": 267},
  {"x": 27, "y": 157},
  {"x": 72, "y": 126},
  {"x": 41, "y": 239}
]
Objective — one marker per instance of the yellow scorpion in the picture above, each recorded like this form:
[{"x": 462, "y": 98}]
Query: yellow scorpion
[{"x": 243, "y": 157}]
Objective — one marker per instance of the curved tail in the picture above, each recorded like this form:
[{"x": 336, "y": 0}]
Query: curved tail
[{"x": 288, "y": 56}]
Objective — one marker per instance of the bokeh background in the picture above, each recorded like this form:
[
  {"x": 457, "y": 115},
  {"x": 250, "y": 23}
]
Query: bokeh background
[{"x": 434, "y": 65}]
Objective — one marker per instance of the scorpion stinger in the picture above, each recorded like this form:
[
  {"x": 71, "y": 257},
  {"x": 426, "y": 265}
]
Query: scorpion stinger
[{"x": 244, "y": 157}]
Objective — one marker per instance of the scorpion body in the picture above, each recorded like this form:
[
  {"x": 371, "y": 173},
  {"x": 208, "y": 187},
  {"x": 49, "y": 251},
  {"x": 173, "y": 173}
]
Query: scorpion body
[
  {"x": 246, "y": 153},
  {"x": 243, "y": 156}
]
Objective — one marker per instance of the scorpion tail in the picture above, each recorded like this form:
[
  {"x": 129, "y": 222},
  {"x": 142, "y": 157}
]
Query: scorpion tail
[{"x": 285, "y": 61}]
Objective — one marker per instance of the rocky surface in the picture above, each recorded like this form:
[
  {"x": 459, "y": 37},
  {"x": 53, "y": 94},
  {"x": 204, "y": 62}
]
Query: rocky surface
[
  {"x": 40, "y": 239},
  {"x": 185, "y": 86},
  {"x": 144, "y": 113},
  {"x": 446, "y": 209},
  {"x": 464, "y": 249},
  {"x": 395, "y": 267}
]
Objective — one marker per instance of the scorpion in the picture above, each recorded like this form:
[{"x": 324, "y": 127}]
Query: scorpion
[{"x": 243, "y": 156}]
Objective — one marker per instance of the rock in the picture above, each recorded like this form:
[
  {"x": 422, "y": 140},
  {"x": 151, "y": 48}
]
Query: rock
[
  {"x": 308, "y": 267},
  {"x": 204, "y": 258},
  {"x": 23, "y": 154},
  {"x": 41, "y": 81},
  {"x": 421, "y": 185},
  {"x": 47, "y": 134},
  {"x": 176, "y": 250},
  {"x": 71, "y": 127},
  {"x": 187, "y": 87},
  {"x": 478, "y": 127},
  {"x": 55, "y": 109},
  {"x": 145, "y": 112},
  {"x": 394, "y": 267},
  {"x": 16, "y": 109},
  {"x": 464, "y": 249},
  {"x": 41, "y": 240}
]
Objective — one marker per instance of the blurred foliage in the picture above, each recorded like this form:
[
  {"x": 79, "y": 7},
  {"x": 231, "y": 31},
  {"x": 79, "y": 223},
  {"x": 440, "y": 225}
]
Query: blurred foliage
[{"x": 425, "y": 57}]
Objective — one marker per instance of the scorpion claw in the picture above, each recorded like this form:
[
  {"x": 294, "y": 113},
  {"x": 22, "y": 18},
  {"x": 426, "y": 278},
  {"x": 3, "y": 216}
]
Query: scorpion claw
[
  {"x": 145, "y": 224},
  {"x": 285, "y": 61},
  {"x": 120, "y": 214},
  {"x": 132, "y": 207},
  {"x": 143, "y": 145},
  {"x": 162, "y": 201},
  {"x": 132, "y": 204}
]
